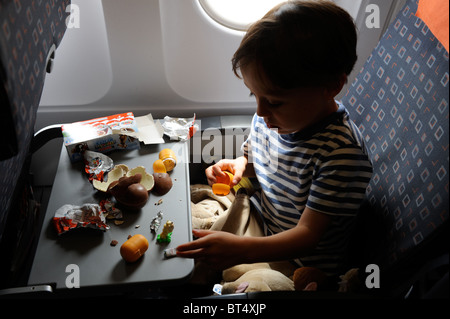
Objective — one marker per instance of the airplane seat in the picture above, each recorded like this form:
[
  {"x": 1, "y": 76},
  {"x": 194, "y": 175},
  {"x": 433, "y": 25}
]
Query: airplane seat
[
  {"x": 399, "y": 100},
  {"x": 30, "y": 32}
]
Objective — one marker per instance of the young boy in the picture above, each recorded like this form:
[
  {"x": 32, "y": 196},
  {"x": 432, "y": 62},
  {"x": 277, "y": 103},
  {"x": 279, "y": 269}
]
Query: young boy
[{"x": 306, "y": 153}]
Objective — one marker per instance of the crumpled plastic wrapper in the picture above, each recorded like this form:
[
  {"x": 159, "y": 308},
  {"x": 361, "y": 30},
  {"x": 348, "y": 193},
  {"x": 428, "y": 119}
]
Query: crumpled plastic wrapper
[
  {"x": 180, "y": 129},
  {"x": 69, "y": 217},
  {"x": 110, "y": 211},
  {"x": 156, "y": 222},
  {"x": 97, "y": 165}
]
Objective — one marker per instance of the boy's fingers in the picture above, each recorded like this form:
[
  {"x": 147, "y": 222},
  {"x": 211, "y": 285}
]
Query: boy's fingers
[
  {"x": 196, "y": 244},
  {"x": 191, "y": 246},
  {"x": 226, "y": 165},
  {"x": 190, "y": 253},
  {"x": 237, "y": 178},
  {"x": 218, "y": 170},
  {"x": 202, "y": 232}
]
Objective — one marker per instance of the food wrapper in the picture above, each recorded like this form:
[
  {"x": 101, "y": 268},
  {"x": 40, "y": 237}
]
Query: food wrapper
[
  {"x": 104, "y": 134},
  {"x": 171, "y": 252},
  {"x": 69, "y": 217},
  {"x": 97, "y": 165},
  {"x": 156, "y": 222},
  {"x": 178, "y": 128},
  {"x": 110, "y": 211}
]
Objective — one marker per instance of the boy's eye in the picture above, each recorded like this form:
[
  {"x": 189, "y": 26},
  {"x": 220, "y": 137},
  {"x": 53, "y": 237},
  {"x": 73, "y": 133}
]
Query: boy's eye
[{"x": 274, "y": 104}]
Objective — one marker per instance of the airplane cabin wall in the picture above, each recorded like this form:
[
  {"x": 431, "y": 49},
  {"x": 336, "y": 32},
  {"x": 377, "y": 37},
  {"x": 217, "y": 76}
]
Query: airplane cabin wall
[{"x": 166, "y": 57}]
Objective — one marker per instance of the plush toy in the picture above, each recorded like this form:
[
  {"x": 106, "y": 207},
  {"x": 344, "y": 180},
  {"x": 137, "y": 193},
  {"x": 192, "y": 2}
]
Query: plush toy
[
  {"x": 350, "y": 281},
  {"x": 308, "y": 278},
  {"x": 271, "y": 277},
  {"x": 254, "y": 277}
]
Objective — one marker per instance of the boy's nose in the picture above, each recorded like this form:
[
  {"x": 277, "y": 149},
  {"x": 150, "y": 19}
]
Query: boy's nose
[{"x": 262, "y": 108}]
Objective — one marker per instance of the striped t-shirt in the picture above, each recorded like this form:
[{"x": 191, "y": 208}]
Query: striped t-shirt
[{"x": 325, "y": 168}]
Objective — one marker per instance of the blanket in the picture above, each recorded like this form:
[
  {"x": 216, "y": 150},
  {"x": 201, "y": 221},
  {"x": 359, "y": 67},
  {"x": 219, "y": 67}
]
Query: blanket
[{"x": 206, "y": 207}]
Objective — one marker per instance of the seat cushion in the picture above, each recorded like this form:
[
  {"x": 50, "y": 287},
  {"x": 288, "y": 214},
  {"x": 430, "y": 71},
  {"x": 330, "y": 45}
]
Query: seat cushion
[{"x": 400, "y": 103}]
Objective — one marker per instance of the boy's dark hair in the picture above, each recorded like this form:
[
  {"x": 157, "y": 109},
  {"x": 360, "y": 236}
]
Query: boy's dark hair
[{"x": 300, "y": 44}]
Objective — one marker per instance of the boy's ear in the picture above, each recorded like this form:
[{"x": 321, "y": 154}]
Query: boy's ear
[{"x": 333, "y": 89}]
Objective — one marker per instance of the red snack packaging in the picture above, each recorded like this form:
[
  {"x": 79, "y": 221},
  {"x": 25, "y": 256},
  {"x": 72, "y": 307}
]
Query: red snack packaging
[{"x": 69, "y": 217}]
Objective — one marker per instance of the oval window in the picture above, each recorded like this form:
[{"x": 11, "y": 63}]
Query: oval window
[{"x": 237, "y": 14}]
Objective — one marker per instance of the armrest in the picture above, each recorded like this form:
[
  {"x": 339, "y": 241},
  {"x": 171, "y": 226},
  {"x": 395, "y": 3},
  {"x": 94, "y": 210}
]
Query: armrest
[
  {"x": 26, "y": 292},
  {"x": 45, "y": 135}
]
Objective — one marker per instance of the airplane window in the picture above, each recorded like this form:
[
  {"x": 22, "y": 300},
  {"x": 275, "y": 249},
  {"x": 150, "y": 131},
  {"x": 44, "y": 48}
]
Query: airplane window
[{"x": 237, "y": 14}]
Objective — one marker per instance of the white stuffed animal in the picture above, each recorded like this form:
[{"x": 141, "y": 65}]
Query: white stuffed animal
[{"x": 255, "y": 277}]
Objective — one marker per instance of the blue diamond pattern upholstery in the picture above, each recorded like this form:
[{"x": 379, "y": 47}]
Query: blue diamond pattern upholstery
[
  {"x": 29, "y": 33},
  {"x": 399, "y": 100}
]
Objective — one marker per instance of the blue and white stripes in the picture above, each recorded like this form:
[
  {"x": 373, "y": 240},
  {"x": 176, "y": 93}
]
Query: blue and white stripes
[{"x": 324, "y": 168}]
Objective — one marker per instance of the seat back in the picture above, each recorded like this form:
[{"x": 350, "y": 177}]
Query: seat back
[
  {"x": 399, "y": 100},
  {"x": 30, "y": 32}
]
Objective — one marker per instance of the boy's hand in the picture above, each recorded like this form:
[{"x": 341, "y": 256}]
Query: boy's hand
[
  {"x": 218, "y": 249},
  {"x": 236, "y": 167}
]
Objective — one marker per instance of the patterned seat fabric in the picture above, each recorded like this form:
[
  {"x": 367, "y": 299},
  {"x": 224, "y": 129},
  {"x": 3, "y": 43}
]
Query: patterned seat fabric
[
  {"x": 400, "y": 103},
  {"x": 29, "y": 33}
]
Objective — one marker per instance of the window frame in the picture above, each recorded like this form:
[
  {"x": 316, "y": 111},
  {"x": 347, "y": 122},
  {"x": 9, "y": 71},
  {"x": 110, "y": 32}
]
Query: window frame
[{"x": 226, "y": 20}]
